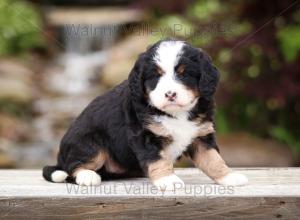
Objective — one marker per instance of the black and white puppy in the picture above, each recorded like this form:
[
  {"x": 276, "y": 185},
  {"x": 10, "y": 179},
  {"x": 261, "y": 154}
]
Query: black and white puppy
[{"x": 142, "y": 126}]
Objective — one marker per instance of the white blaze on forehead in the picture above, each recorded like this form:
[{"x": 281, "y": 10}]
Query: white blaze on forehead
[{"x": 167, "y": 55}]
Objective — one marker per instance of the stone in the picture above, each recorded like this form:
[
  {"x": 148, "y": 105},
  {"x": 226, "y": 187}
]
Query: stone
[
  {"x": 122, "y": 57},
  {"x": 244, "y": 149},
  {"x": 15, "y": 81},
  {"x": 6, "y": 161},
  {"x": 93, "y": 16}
]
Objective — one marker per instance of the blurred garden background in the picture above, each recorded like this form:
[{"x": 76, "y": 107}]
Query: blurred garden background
[{"x": 57, "y": 55}]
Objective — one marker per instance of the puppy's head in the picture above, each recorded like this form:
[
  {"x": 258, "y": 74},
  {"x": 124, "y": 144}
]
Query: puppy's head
[{"x": 172, "y": 75}]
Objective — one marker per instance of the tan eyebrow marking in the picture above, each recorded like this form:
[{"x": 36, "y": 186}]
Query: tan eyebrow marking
[
  {"x": 181, "y": 69},
  {"x": 159, "y": 70}
]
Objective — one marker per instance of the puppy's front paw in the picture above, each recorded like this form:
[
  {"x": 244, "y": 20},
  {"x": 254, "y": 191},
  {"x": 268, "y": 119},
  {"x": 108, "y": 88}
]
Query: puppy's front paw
[
  {"x": 206, "y": 128},
  {"x": 87, "y": 178},
  {"x": 171, "y": 182},
  {"x": 233, "y": 179}
]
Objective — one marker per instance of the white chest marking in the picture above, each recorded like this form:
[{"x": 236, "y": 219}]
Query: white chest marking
[{"x": 182, "y": 132}]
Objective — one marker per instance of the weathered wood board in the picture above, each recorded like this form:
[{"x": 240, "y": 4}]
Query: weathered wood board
[{"x": 272, "y": 193}]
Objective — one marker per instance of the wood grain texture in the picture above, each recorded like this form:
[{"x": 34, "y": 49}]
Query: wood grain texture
[{"x": 273, "y": 193}]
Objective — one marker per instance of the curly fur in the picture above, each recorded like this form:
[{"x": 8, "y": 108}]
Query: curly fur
[{"x": 116, "y": 122}]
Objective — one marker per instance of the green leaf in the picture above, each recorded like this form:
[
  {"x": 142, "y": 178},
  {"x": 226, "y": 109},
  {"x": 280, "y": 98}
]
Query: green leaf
[
  {"x": 289, "y": 38},
  {"x": 20, "y": 27}
]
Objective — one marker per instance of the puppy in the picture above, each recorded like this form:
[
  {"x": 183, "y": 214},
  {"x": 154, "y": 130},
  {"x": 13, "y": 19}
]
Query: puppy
[{"x": 142, "y": 126}]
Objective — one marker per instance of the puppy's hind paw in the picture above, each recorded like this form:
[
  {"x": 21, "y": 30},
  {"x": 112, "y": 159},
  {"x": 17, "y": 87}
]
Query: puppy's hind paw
[
  {"x": 88, "y": 178},
  {"x": 233, "y": 179}
]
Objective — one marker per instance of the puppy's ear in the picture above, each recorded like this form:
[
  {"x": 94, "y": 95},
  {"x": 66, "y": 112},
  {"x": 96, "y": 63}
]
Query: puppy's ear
[
  {"x": 136, "y": 79},
  {"x": 209, "y": 76},
  {"x": 136, "y": 87}
]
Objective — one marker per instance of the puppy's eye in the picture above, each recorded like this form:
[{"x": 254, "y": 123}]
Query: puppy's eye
[
  {"x": 159, "y": 70},
  {"x": 180, "y": 69}
]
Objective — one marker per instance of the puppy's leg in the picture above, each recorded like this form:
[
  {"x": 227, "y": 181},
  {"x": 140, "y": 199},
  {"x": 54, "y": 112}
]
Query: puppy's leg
[
  {"x": 208, "y": 159},
  {"x": 85, "y": 173},
  {"x": 162, "y": 175},
  {"x": 158, "y": 168}
]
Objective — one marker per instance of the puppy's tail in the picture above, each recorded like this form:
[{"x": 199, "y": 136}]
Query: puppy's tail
[{"x": 54, "y": 174}]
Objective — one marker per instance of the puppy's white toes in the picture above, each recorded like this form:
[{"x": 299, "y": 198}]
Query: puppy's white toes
[
  {"x": 171, "y": 182},
  {"x": 59, "y": 176},
  {"x": 234, "y": 179},
  {"x": 88, "y": 178}
]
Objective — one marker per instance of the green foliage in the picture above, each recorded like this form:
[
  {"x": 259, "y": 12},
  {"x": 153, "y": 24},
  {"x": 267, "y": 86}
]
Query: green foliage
[
  {"x": 289, "y": 38},
  {"x": 259, "y": 90},
  {"x": 222, "y": 119},
  {"x": 203, "y": 10},
  {"x": 18, "y": 109},
  {"x": 20, "y": 27},
  {"x": 282, "y": 134}
]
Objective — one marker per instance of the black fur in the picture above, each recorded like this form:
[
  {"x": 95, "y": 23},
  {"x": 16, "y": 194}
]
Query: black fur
[
  {"x": 115, "y": 122},
  {"x": 48, "y": 170}
]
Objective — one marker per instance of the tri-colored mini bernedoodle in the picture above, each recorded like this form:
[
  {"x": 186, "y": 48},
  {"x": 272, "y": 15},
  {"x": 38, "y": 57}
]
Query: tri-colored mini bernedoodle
[{"x": 142, "y": 126}]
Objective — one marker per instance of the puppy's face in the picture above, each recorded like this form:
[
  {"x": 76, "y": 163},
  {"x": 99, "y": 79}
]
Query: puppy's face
[
  {"x": 174, "y": 75},
  {"x": 169, "y": 86}
]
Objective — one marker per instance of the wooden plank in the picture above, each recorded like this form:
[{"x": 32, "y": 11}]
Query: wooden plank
[
  {"x": 271, "y": 194},
  {"x": 152, "y": 208},
  {"x": 263, "y": 182}
]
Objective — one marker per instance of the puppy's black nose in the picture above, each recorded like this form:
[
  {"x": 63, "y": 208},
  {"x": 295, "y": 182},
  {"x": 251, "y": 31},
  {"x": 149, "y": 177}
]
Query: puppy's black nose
[{"x": 171, "y": 96}]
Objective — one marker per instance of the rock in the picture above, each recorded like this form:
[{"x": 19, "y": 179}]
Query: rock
[
  {"x": 6, "y": 161},
  {"x": 243, "y": 149},
  {"x": 14, "y": 129},
  {"x": 121, "y": 59},
  {"x": 93, "y": 16},
  {"x": 6, "y": 156},
  {"x": 35, "y": 155},
  {"x": 15, "y": 91},
  {"x": 55, "y": 115},
  {"x": 15, "y": 81},
  {"x": 74, "y": 73},
  {"x": 13, "y": 68}
]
